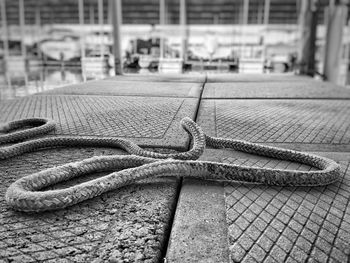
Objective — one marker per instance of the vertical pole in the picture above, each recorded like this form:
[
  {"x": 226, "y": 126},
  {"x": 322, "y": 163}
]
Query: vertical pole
[
  {"x": 244, "y": 23},
  {"x": 245, "y": 12},
  {"x": 81, "y": 23},
  {"x": 162, "y": 23},
  {"x": 307, "y": 46},
  {"x": 266, "y": 12},
  {"x": 82, "y": 35},
  {"x": 38, "y": 27},
  {"x": 116, "y": 6},
  {"x": 336, "y": 22},
  {"x": 4, "y": 28},
  {"x": 184, "y": 31},
  {"x": 267, "y": 5},
  {"x": 100, "y": 21},
  {"x": 21, "y": 23}
]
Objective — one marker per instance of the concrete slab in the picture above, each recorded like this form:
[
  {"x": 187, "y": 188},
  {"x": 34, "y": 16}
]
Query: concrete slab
[
  {"x": 313, "y": 125},
  {"x": 234, "y": 77},
  {"x": 199, "y": 233},
  {"x": 263, "y": 223},
  {"x": 130, "y": 224},
  {"x": 164, "y": 77},
  {"x": 132, "y": 88},
  {"x": 149, "y": 122},
  {"x": 275, "y": 89}
]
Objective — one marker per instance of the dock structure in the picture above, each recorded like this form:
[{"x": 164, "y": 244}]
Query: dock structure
[{"x": 187, "y": 220}]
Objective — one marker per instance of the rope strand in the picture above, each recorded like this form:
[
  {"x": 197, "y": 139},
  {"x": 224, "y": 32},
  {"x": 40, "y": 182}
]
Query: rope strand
[{"x": 24, "y": 194}]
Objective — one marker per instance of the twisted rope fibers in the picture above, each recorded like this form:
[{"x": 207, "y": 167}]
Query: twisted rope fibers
[{"x": 24, "y": 194}]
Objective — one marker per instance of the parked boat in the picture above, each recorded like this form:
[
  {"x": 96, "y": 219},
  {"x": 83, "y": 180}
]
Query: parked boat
[{"x": 64, "y": 49}]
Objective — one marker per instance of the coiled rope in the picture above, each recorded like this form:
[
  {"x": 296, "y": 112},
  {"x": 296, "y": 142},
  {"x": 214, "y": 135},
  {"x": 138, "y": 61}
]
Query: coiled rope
[{"x": 24, "y": 194}]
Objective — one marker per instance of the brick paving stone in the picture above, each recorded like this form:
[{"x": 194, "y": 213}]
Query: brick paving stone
[
  {"x": 259, "y": 224},
  {"x": 339, "y": 256},
  {"x": 149, "y": 122},
  {"x": 253, "y": 232},
  {"x": 303, "y": 244},
  {"x": 298, "y": 255},
  {"x": 284, "y": 243},
  {"x": 140, "y": 212},
  {"x": 276, "y": 89},
  {"x": 278, "y": 253},
  {"x": 234, "y": 232},
  {"x": 318, "y": 255},
  {"x": 237, "y": 252},
  {"x": 257, "y": 253},
  {"x": 246, "y": 242},
  {"x": 265, "y": 242}
]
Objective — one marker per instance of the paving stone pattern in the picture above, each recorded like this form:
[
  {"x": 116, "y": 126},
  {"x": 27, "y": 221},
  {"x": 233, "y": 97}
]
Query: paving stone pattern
[
  {"x": 288, "y": 224},
  {"x": 151, "y": 121},
  {"x": 278, "y": 121},
  {"x": 286, "y": 89},
  {"x": 183, "y": 78},
  {"x": 132, "y": 224},
  {"x": 132, "y": 88},
  {"x": 128, "y": 224},
  {"x": 218, "y": 78},
  {"x": 267, "y": 223}
]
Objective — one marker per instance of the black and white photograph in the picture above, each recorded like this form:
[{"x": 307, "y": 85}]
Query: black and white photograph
[{"x": 175, "y": 131}]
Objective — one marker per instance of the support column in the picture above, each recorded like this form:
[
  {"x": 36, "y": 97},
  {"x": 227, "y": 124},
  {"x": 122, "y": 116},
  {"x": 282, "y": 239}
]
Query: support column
[
  {"x": 82, "y": 34},
  {"x": 244, "y": 24},
  {"x": 38, "y": 28},
  {"x": 267, "y": 5},
  {"x": 184, "y": 30},
  {"x": 4, "y": 28},
  {"x": 116, "y": 6},
  {"x": 100, "y": 22},
  {"x": 162, "y": 23},
  {"x": 336, "y": 20},
  {"x": 308, "y": 28},
  {"x": 266, "y": 12},
  {"x": 21, "y": 23},
  {"x": 82, "y": 38},
  {"x": 245, "y": 12}
]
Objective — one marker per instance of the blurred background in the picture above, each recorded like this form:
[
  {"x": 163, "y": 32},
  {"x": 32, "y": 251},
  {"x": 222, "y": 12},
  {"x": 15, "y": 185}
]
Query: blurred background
[{"x": 45, "y": 44}]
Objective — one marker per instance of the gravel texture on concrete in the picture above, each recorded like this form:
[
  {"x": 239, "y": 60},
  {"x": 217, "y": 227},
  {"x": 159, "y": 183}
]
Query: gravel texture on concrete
[
  {"x": 125, "y": 225},
  {"x": 130, "y": 224}
]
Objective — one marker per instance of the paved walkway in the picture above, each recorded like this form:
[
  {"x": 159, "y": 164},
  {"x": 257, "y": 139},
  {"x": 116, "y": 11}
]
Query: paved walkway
[{"x": 188, "y": 220}]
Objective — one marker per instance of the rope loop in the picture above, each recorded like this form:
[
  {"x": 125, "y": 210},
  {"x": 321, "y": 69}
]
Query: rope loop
[{"x": 25, "y": 195}]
